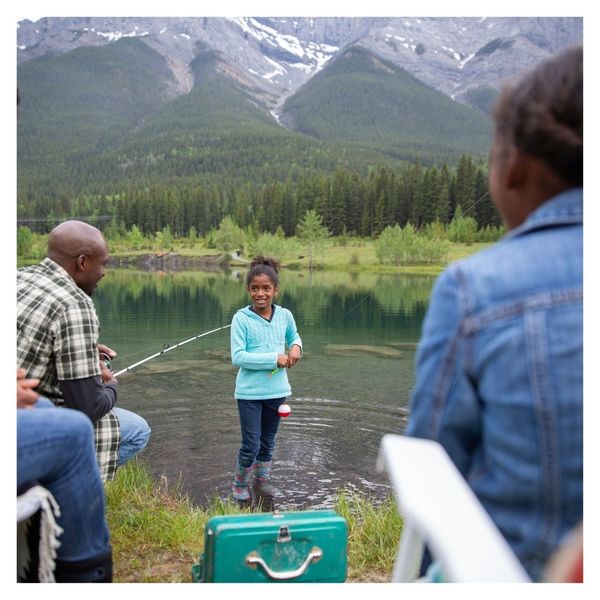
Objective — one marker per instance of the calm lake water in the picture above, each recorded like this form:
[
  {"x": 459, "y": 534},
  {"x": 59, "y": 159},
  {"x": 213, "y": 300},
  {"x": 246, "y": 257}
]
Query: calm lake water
[{"x": 351, "y": 387}]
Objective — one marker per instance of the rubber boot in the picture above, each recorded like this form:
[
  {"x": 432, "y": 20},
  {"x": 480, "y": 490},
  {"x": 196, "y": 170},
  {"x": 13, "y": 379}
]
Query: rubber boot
[
  {"x": 98, "y": 569},
  {"x": 262, "y": 480},
  {"x": 240, "y": 489}
]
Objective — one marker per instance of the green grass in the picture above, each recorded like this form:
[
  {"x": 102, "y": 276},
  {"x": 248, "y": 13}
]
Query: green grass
[
  {"x": 374, "y": 533},
  {"x": 157, "y": 533}
]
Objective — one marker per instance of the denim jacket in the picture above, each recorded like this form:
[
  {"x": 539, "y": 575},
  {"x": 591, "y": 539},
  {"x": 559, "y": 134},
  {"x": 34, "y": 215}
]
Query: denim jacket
[{"x": 499, "y": 377}]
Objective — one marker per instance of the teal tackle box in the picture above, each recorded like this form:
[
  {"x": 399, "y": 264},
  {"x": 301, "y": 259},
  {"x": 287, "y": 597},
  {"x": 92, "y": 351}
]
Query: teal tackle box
[{"x": 297, "y": 547}]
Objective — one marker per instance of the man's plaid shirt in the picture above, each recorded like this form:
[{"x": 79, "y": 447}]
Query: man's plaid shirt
[{"x": 57, "y": 337}]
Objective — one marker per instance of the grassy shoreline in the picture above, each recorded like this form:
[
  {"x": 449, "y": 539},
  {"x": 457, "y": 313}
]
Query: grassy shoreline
[
  {"x": 355, "y": 255},
  {"x": 350, "y": 255},
  {"x": 157, "y": 533}
]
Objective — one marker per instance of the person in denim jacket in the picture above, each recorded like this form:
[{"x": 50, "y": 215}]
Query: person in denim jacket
[{"x": 499, "y": 368}]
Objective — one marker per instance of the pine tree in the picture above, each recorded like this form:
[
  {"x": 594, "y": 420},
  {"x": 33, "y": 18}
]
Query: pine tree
[
  {"x": 312, "y": 233},
  {"x": 465, "y": 183},
  {"x": 485, "y": 212}
]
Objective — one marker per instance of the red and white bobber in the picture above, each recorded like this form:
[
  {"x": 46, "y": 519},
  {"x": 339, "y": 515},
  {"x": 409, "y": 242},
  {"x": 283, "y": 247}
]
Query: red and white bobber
[{"x": 284, "y": 410}]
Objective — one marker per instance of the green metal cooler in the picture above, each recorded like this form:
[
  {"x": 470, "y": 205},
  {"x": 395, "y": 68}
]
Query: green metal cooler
[{"x": 298, "y": 547}]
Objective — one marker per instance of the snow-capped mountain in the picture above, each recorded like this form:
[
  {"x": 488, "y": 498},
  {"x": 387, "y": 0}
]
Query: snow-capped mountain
[{"x": 274, "y": 57}]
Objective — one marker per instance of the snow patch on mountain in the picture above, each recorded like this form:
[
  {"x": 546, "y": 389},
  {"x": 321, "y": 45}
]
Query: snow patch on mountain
[
  {"x": 279, "y": 70},
  {"x": 314, "y": 56},
  {"x": 262, "y": 32},
  {"x": 302, "y": 67},
  {"x": 112, "y": 36},
  {"x": 464, "y": 61}
]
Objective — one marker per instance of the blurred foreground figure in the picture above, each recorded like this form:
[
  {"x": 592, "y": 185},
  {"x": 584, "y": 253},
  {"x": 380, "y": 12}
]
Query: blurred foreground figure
[
  {"x": 55, "y": 450},
  {"x": 499, "y": 369}
]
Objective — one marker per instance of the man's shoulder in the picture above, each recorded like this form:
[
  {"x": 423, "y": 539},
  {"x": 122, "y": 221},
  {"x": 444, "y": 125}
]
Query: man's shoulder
[
  {"x": 43, "y": 289},
  {"x": 30, "y": 272}
]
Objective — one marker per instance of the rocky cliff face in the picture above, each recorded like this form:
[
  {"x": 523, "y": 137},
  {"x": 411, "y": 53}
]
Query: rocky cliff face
[{"x": 275, "y": 56}]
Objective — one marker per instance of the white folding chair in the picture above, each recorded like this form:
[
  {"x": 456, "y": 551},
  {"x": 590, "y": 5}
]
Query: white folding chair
[{"x": 439, "y": 509}]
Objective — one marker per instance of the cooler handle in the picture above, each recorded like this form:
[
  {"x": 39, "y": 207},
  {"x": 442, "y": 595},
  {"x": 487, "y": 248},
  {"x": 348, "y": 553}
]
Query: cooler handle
[{"x": 253, "y": 560}]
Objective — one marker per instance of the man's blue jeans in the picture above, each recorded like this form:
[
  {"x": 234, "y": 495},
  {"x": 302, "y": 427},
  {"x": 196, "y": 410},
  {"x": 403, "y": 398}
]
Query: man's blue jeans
[
  {"x": 134, "y": 434},
  {"x": 55, "y": 448},
  {"x": 259, "y": 421}
]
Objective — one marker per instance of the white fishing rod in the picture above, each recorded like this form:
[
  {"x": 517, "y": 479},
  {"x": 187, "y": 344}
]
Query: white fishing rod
[{"x": 168, "y": 349}]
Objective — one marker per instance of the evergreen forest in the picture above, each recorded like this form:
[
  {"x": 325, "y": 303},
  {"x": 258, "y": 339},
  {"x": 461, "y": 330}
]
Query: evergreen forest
[{"x": 104, "y": 136}]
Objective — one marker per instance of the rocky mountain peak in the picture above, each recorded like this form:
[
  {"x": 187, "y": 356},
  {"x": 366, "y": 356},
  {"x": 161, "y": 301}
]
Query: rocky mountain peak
[{"x": 275, "y": 56}]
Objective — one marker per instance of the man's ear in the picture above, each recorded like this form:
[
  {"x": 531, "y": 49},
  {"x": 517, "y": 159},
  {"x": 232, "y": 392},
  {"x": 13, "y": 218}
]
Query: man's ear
[
  {"x": 516, "y": 169},
  {"x": 81, "y": 262}
]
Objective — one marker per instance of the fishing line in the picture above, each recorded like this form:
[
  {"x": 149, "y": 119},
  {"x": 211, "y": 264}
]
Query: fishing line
[
  {"x": 348, "y": 312},
  {"x": 168, "y": 348},
  {"x": 476, "y": 202}
]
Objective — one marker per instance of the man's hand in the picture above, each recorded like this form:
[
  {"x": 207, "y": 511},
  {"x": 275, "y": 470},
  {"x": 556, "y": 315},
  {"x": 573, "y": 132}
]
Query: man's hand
[
  {"x": 26, "y": 396},
  {"x": 102, "y": 349},
  {"x": 106, "y": 373}
]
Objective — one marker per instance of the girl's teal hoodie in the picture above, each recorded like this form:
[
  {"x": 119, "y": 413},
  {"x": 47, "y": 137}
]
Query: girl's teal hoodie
[{"x": 255, "y": 344}]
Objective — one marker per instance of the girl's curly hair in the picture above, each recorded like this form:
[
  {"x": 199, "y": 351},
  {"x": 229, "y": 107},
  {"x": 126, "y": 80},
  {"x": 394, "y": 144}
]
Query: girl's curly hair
[{"x": 264, "y": 266}]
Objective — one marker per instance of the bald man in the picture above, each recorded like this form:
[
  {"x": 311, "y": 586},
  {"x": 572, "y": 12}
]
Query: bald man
[{"x": 57, "y": 340}]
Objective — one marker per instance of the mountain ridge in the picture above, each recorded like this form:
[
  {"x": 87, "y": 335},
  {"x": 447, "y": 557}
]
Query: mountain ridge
[
  {"x": 278, "y": 55},
  {"x": 229, "y": 102},
  {"x": 361, "y": 98}
]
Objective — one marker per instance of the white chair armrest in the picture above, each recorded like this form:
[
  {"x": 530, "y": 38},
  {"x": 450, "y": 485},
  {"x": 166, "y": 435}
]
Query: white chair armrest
[{"x": 441, "y": 510}]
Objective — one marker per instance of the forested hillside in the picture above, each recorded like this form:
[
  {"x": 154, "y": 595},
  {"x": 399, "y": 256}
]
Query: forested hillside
[
  {"x": 219, "y": 133},
  {"x": 102, "y": 136},
  {"x": 85, "y": 102},
  {"x": 363, "y": 99},
  {"x": 97, "y": 119}
]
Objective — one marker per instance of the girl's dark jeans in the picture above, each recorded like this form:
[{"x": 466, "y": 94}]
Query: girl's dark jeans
[{"x": 259, "y": 421}]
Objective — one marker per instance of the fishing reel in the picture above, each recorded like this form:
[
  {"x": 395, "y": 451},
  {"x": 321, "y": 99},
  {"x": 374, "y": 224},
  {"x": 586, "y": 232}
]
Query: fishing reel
[{"x": 105, "y": 358}]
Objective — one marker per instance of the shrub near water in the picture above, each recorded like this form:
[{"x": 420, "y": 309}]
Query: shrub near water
[
  {"x": 462, "y": 229},
  {"x": 404, "y": 246},
  {"x": 275, "y": 246}
]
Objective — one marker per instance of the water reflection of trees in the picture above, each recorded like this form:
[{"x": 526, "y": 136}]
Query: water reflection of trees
[{"x": 337, "y": 298}]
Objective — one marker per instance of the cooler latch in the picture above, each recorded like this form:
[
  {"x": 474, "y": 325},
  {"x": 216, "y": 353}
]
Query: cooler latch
[{"x": 284, "y": 534}]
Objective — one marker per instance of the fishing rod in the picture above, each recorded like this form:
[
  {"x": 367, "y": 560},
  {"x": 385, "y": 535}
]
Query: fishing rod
[{"x": 168, "y": 348}]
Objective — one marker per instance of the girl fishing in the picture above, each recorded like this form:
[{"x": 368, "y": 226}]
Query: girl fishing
[{"x": 260, "y": 334}]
